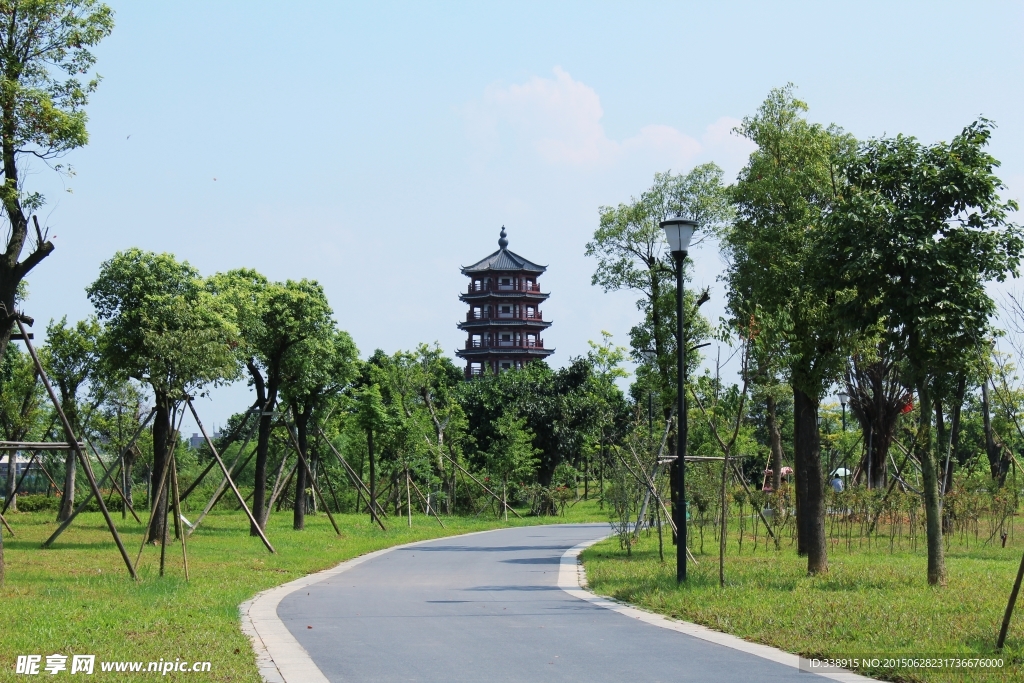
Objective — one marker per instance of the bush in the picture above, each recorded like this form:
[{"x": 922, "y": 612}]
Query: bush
[{"x": 38, "y": 502}]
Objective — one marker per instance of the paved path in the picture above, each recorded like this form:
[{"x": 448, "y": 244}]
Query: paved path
[{"x": 487, "y": 607}]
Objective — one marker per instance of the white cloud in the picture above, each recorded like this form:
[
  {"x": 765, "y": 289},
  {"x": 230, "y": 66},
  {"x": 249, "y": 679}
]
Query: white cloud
[{"x": 559, "y": 120}]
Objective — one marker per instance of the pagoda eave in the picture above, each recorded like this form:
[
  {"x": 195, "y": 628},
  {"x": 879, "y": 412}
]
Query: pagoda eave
[
  {"x": 488, "y": 323},
  {"x": 484, "y": 295}
]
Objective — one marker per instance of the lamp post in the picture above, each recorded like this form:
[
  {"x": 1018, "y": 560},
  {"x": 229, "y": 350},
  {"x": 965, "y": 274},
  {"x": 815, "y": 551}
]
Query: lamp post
[
  {"x": 844, "y": 398},
  {"x": 679, "y": 231}
]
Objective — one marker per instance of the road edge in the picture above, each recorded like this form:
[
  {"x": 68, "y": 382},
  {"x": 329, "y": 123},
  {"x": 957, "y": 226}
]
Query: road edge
[
  {"x": 572, "y": 578},
  {"x": 279, "y": 656}
]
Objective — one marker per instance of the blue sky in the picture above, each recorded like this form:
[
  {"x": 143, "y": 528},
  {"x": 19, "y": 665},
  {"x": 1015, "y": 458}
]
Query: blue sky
[{"x": 376, "y": 147}]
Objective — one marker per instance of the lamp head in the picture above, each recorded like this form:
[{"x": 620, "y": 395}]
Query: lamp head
[
  {"x": 679, "y": 232},
  {"x": 844, "y": 398}
]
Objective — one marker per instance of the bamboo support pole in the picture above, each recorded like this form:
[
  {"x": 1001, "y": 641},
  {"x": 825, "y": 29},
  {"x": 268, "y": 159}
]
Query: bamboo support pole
[
  {"x": 312, "y": 481},
  {"x": 230, "y": 439},
  {"x": 227, "y": 475},
  {"x": 156, "y": 495},
  {"x": 355, "y": 480},
  {"x": 177, "y": 514},
  {"x": 81, "y": 506},
  {"x": 73, "y": 442},
  {"x": 481, "y": 485}
]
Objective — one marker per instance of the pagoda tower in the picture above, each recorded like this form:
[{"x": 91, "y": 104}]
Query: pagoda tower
[{"x": 504, "y": 321}]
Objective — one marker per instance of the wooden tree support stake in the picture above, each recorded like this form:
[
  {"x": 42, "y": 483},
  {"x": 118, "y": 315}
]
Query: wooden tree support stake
[
  {"x": 355, "y": 479},
  {"x": 1010, "y": 605},
  {"x": 177, "y": 514},
  {"x": 227, "y": 475},
  {"x": 155, "y": 497},
  {"x": 73, "y": 442},
  {"x": 81, "y": 506},
  {"x": 480, "y": 483},
  {"x": 6, "y": 525},
  {"x": 425, "y": 501},
  {"x": 309, "y": 473},
  {"x": 230, "y": 439}
]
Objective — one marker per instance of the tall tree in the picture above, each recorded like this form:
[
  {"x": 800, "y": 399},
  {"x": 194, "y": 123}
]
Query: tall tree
[
  {"x": 315, "y": 371},
  {"x": 781, "y": 197},
  {"x": 632, "y": 254},
  {"x": 70, "y": 357},
  {"x": 44, "y": 50},
  {"x": 511, "y": 454},
  {"x": 915, "y": 243},
  {"x": 164, "y": 329},
  {"x": 21, "y": 400},
  {"x": 272, "y": 318}
]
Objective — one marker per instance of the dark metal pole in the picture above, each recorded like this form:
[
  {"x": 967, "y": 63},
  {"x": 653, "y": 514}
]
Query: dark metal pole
[{"x": 680, "y": 461}]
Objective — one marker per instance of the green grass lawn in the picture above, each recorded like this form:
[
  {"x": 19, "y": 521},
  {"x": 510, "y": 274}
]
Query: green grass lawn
[
  {"x": 77, "y": 597},
  {"x": 870, "y": 602}
]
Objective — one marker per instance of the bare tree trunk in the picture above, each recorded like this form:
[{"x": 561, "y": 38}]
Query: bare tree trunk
[
  {"x": 933, "y": 522},
  {"x": 997, "y": 462},
  {"x": 299, "y": 507},
  {"x": 162, "y": 430},
  {"x": 373, "y": 470},
  {"x": 267, "y": 396},
  {"x": 67, "y": 502},
  {"x": 12, "y": 480},
  {"x": 775, "y": 442},
  {"x": 810, "y": 499}
]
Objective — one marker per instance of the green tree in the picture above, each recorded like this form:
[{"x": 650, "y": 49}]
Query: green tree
[
  {"x": 915, "y": 243},
  {"x": 315, "y": 371},
  {"x": 511, "y": 454},
  {"x": 632, "y": 254},
  {"x": 272, "y": 319},
  {"x": 70, "y": 358},
  {"x": 44, "y": 50},
  {"x": 774, "y": 251},
  {"x": 21, "y": 402},
  {"x": 164, "y": 329}
]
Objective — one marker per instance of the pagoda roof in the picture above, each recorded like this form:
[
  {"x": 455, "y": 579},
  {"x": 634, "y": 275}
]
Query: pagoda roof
[{"x": 503, "y": 260}]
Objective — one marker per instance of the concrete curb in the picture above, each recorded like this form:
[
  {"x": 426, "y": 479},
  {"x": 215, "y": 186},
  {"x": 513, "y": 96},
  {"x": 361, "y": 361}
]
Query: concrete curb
[
  {"x": 279, "y": 657},
  {"x": 572, "y": 578}
]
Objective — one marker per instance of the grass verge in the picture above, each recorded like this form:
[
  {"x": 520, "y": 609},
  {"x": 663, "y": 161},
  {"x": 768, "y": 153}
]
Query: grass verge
[
  {"x": 77, "y": 598},
  {"x": 870, "y": 603}
]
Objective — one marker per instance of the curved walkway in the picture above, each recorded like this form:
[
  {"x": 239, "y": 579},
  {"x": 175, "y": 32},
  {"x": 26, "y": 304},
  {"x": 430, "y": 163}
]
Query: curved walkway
[{"x": 487, "y": 606}]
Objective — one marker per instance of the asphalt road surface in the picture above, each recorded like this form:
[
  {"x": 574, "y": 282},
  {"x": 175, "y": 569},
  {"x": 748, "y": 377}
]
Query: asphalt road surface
[{"x": 487, "y": 607}]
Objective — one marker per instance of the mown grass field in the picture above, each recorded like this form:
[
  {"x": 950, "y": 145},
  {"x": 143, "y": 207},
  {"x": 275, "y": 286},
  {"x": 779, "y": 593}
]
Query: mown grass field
[
  {"x": 77, "y": 597},
  {"x": 871, "y": 602}
]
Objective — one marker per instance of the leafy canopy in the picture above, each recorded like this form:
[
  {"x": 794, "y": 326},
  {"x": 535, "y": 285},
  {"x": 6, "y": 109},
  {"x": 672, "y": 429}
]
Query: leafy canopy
[{"x": 162, "y": 326}]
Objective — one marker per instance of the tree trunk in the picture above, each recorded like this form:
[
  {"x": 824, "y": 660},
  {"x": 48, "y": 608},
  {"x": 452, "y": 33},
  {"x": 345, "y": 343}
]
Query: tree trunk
[
  {"x": 266, "y": 396},
  {"x": 129, "y": 462},
  {"x": 810, "y": 499},
  {"x": 67, "y": 502},
  {"x": 12, "y": 480},
  {"x": 775, "y": 442},
  {"x": 373, "y": 471},
  {"x": 929, "y": 470},
  {"x": 997, "y": 463},
  {"x": 70, "y": 408},
  {"x": 954, "y": 434},
  {"x": 161, "y": 443},
  {"x": 301, "y": 482}
]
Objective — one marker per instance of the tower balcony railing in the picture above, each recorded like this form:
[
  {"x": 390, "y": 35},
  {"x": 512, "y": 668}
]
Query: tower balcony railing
[
  {"x": 505, "y": 344},
  {"x": 483, "y": 315},
  {"x": 477, "y": 287}
]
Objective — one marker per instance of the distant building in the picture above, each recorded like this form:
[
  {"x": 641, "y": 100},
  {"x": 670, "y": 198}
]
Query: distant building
[
  {"x": 504, "y": 321},
  {"x": 197, "y": 441}
]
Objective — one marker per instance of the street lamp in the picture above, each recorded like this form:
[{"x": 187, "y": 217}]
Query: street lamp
[
  {"x": 679, "y": 231},
  {"x": 844, "y": 398}
]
